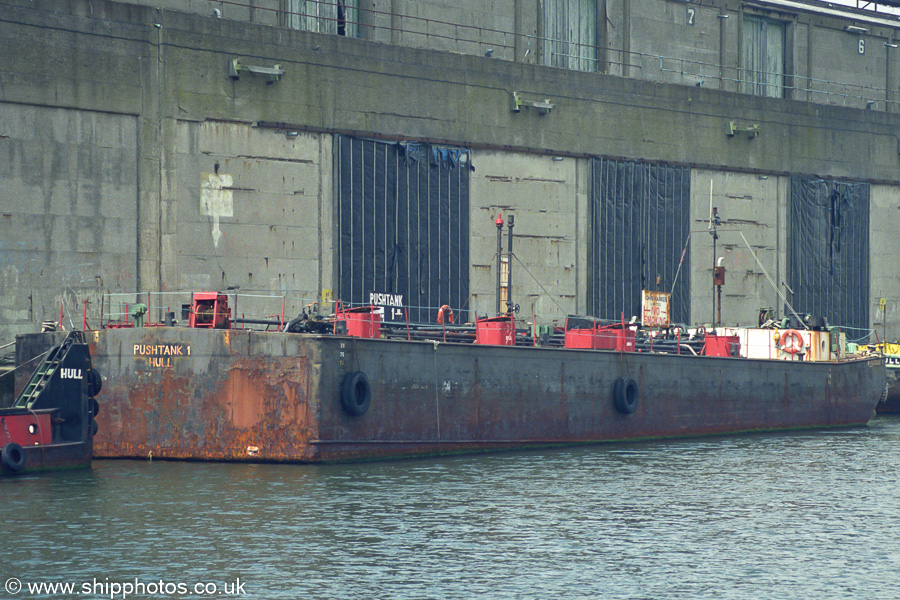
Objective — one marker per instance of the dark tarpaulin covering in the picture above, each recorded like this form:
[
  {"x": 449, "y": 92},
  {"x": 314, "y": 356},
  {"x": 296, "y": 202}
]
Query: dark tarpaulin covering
[
  {"x": 641, "y": 222},
  {"x": 403, "y": 221},
  {"x": 828, "y": 250}
]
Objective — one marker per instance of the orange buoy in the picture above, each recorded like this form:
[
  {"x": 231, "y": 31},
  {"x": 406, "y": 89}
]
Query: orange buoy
[{"x": 441, "y": 311}]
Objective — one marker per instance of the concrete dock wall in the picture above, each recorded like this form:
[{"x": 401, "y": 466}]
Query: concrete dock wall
[{"x": 116, "y": 115}]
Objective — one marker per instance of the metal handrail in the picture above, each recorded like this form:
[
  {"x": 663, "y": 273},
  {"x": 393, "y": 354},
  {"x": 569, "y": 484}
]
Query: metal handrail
[{"x": 488, "y": 38}]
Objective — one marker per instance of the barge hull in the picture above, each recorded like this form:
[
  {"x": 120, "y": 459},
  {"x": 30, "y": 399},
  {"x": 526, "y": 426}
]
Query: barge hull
[
  {"x": 270, "y": 397},
  {"x": 56, "y": 457}
]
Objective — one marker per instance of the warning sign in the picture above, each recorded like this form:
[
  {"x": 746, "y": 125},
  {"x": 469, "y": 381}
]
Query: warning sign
[{"x": 654, "y": 309}]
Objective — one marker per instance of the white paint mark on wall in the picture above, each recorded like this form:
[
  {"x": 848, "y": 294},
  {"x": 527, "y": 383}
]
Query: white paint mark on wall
[
  {"x": 14, "y": 316},
  {"x": 216, "y": 200}
]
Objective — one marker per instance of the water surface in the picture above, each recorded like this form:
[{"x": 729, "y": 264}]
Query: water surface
[{"x": 803, "y": 515}]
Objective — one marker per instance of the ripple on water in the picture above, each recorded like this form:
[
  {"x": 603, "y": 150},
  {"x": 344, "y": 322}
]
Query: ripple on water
[{"x": 770, "y": 516}]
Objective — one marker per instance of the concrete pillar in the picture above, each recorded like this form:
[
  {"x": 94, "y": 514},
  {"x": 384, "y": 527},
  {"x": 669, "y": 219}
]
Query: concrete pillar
[
  {"x": 724, "y": 71},
  {"x": 791, "y": 48},
  {"x": 626, "y": 39},
  {"x": 376, "y": 20},
  {"x": 780, "y": 275},
  {"x": 326, "y": 211},
  {"x": 527, "y": 17},
  {"x": 602, "y": 38},
  {"x": 157, "y": 248},
  {"x": 540, "y": 32},
  {"x": 396, "y": 22},
  {"x": 150, "y": 161},
  {"x": 890, "y": 79},
  {"x": 582, "y": 234},
  {"x": 740, "y": 48}
]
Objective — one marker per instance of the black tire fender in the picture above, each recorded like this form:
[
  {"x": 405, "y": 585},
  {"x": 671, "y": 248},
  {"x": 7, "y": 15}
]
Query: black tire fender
[
  {"x": 356, "y": 393},
  {"x": 95, "y": 382},
  {"x": 94, "y": 428},
  {"x": 13, "y": 457},
  {"x": 626, "y": 395},
  {"x": 95, "y": 407}
]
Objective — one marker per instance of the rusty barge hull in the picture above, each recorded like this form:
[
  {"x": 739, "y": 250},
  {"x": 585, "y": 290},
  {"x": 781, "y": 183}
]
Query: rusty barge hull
[{"x": 233, "y": 395}]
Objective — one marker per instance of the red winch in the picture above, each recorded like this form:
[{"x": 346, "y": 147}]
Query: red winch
[{"x": 210, "y": 309}]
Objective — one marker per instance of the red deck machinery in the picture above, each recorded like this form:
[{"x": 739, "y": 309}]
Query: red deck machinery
[{"x": 210, "y": 309}]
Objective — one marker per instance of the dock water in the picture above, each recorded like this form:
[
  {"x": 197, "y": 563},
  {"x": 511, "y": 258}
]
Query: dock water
[{"x": 791, "y": 515}]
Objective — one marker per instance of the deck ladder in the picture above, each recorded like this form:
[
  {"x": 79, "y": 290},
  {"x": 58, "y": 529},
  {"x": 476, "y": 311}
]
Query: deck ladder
[{"x": 44, "y": 373}]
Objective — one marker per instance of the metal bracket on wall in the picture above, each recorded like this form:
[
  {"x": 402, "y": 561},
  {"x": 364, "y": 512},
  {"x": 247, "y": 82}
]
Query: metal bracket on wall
[
  {"x": 542, "y": 106},
  {"x": 235, "y": 66},
  {"x": 752, "y": 131}
]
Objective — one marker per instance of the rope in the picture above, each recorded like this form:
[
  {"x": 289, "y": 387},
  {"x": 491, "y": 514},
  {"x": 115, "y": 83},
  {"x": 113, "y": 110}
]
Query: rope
[
  {"x": 865, "y": 336},
  {"x": 680, "y": 262},
  {"x": 13, "y": 370}
]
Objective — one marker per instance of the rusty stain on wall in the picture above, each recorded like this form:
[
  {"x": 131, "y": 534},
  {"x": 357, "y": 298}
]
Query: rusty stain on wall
[{"x": 245, "y": 399}]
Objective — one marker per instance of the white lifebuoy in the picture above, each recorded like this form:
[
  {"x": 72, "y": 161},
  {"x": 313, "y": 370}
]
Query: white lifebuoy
[{"x": 791, "y": 341}]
